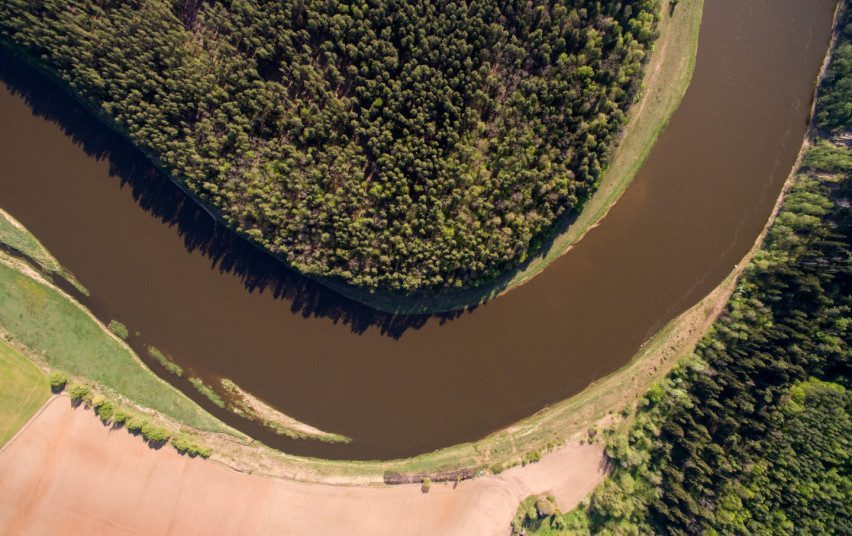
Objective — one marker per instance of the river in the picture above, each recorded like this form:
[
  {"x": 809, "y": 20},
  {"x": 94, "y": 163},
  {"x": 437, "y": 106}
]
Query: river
[{"x": 404, "y": 385}]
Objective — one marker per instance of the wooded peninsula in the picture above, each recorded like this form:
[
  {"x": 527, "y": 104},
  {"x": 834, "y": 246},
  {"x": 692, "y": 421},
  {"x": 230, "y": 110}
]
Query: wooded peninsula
[{"x": 396, "y": 144}]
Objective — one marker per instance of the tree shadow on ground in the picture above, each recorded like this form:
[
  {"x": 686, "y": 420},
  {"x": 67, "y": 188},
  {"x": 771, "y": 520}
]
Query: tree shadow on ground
[{"x": 156, "y": 193}]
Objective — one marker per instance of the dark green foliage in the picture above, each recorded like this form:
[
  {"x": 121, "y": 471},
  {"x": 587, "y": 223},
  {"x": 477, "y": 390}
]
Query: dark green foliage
[
  {"x": 834, "y": 105},
  {"x": 804, "y": 482},
  {"x": 394, "y": 143},
  {"x": 78, "y": 392},
  {"x": 57, "y": 381},
  {"x": 752, "y": 434},
  {"x": 733, "y": 441}
]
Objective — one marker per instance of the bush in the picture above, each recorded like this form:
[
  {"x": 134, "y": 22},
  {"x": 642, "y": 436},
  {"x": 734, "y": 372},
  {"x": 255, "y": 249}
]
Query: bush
[
  {"x": 105, "y": 411},
  {"x": 426, "y": 485},
  {"x": 186, "y": 444},
  {"x": 57, "y": 381},
  {"x": 119, "y": 329},
  {"x": 78, "y": 392},
  {"x": 531, "y": 457},
  {"x": 120, "y": 416},
  {"x": 155, "y": 434},
  {"x": 135, "y": 424}
]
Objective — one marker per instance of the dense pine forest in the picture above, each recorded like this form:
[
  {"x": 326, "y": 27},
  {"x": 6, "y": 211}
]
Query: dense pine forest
[
  {"x": 753, "y": 433},
  {"x": 398, "y": 144}
]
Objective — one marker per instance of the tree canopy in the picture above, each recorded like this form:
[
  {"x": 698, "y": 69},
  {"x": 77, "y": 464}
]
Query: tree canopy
[{"x": 398, "y": 144}]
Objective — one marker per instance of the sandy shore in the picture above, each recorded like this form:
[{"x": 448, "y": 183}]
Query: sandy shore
[{"x": 67, "y": 473}]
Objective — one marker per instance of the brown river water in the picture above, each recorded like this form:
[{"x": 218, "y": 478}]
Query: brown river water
[{"x": 402, "y": 385}]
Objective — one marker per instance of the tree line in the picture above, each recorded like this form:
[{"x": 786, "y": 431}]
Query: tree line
[
  {"x": 752, "y": 433},
  {"x": 399, "y": 144}
]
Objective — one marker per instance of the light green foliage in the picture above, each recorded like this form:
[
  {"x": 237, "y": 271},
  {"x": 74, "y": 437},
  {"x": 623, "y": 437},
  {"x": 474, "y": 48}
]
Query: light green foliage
[
  {"x": 78, "y": 392},
  {"x": 803, "y": 484},
  {"x": 398, "y": 143},
  {"x": 531, "y": 457},
  {"x": 165, "y": 361},
  {"x": 134, "y": 424},
  {"x": 119, "y": 329},
  {"x": 154, "y": 434},
  {"x": 539, "y": 515},
  {"x": 120, "y": 416},
  {"x": 207, "y": 391},
  {"x": 105, "y": 411},
  {"x": 188, "y": 444},
  {"x": 57, "y": 381},
  {"x": 67, "y": 338}
]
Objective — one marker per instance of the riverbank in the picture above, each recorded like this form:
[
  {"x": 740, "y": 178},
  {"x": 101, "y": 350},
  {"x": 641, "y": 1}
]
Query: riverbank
[
  {"x": 34, "y": 307},
  {"x": 67, "y": 473},
  {"x": 665, "y": 80}
]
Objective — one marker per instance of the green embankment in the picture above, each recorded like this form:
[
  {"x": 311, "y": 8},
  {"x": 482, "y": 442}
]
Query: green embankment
[
  {"x": 65, "y": 336},
  {"x": 23, "y": 390}
]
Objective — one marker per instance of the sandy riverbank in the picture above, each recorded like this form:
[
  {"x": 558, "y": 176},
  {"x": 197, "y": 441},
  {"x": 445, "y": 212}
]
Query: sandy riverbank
[{"x": 67, "y": 473}]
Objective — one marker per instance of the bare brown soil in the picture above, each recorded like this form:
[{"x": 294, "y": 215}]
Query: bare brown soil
[{"x": 66, "y": 473}]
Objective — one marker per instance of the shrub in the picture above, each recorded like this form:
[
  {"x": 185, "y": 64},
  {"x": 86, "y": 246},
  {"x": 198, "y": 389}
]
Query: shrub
[
  {"x": 155, "y": 434},
  {"x": 135, "y": 424},
  {"x": 97, "y": 401},
  {"x": 531, "y": 457},
  {"x": 186, "y": 444},
  {"x": 57, "y": 381},
  {"x": 119, "y": 329},
  {"x": 120, "y": 416},
  {"x": 106, "y": 411},
  {"x": 78, "y": 392},
  {"x": 426, "y": 485}
]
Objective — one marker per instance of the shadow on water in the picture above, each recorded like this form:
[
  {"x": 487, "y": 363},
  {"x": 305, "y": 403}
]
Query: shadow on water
[{"x": 156, "y": 193}]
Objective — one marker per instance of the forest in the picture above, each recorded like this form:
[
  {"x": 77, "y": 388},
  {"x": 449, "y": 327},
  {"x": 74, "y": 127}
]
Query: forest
[
  {"x": 396, "y": 144},
  {"x": 752, "y": 433}
]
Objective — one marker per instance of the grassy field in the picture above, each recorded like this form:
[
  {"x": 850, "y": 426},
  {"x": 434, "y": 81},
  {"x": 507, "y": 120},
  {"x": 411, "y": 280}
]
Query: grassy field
[
  {"x": 63, "y": 335},
  {"x": 667, "y": 76},
  {"x": 23, "y": 390}
]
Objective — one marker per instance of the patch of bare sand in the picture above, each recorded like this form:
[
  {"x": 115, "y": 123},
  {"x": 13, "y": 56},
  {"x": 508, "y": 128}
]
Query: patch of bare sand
[{"x": 67, "y": 473}]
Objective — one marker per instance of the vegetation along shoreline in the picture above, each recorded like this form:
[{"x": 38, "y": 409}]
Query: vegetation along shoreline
[{"x": 665, "y": 79}]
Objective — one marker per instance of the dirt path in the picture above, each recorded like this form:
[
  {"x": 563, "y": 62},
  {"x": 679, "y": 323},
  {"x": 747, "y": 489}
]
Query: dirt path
[{"x": 67, "y": 473}]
